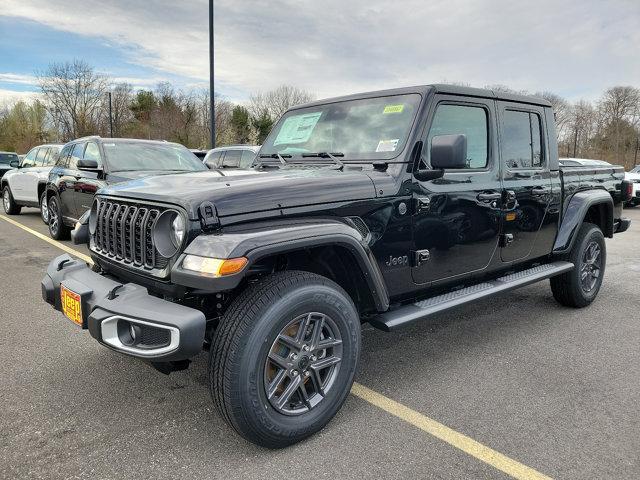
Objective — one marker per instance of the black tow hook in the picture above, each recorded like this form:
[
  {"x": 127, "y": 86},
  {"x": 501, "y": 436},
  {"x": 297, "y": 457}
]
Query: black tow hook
[{"x": 112, "y": 293}]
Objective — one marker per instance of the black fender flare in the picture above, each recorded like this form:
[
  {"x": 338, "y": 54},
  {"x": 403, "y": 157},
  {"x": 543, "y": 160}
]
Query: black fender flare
[
  {"x": 574, "y": 215},
  {"x": 256, "y": 244}
]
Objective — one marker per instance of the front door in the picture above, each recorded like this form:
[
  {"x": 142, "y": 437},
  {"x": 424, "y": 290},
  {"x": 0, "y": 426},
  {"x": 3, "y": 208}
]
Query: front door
[
  {"x": 527, "y": 180},
  {"x": 456, "y": 222}
]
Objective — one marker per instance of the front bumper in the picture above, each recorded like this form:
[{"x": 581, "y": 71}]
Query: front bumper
[{"x": 124, "y": 317}]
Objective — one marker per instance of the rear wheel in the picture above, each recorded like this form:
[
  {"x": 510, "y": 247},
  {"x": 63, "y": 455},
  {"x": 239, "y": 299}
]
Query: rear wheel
[
  {"x": 284, "y": 357},
  {"x": 57, "y": 229},
  {"x": 579, "y": 287},
  {"x": 9, "y": 204},
  {"x": 44, "y": 208}
]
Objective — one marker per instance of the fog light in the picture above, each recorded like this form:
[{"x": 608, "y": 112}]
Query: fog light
[{"x": 215, "y": 267}]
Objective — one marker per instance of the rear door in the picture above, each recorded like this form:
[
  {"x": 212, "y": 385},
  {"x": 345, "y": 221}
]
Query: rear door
[
  {"x": 33, "y": 175},
  {"x": 20, "y": 180},
  {"x": 526, "y": 180},
  {"x": 456, "y": 224}
]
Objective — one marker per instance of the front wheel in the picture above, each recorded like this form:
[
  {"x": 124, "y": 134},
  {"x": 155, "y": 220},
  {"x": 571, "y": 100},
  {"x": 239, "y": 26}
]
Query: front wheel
[
  {"x": 579, "y": 287},
  {"x": 9, "y": 204},
  {"x": 57, "y": 229},
  {"x": 284, "y": 357}
]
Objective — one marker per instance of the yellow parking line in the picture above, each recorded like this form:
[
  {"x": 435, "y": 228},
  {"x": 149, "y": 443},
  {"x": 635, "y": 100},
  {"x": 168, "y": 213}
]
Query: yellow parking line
[
  {"x": 51, "y": 241},
  {"x": 446, "y": 434},
  {"x": 418, "y": 420}
]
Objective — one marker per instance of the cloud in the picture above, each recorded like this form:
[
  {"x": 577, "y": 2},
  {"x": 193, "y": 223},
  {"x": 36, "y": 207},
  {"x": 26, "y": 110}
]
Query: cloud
[
  {"x": 576, "y": 48},
  {"x": 11, "y": 97}
]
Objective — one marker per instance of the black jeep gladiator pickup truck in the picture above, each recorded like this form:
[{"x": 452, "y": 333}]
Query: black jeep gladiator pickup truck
[{"x": 385, "y": 207}]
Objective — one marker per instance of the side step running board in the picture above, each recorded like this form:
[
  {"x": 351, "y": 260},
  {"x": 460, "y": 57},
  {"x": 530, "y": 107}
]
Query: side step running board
[{"x": 407, "y": 314}]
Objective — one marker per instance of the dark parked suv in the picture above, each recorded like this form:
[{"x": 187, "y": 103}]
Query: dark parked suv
[{"x": 88, "y": 164}]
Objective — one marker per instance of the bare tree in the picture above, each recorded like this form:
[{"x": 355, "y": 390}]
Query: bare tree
[
  {"x": 74, "y": 95},
  {"x": 276, "y": 102},
  {"x": 122, "y": 116}
]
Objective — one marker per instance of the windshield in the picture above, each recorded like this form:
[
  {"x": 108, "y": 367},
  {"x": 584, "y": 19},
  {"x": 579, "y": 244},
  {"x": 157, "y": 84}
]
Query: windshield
[
  {"x": 7, "y": 158},
  {"x": 127, "y": 156},
  {"x": 369, "y": 128}
]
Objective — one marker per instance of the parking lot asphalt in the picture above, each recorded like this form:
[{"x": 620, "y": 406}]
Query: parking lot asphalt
[{"x": 553, "y": 388}]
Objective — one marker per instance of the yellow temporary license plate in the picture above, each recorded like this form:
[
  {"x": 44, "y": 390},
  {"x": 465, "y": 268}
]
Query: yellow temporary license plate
[{"x": 71, "y": 305}]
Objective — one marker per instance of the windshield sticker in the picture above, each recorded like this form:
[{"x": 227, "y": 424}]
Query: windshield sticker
[
  {"x": 387, "y": 145},
  {"x": 297, "y": 129},
  {"x": 393, "y": 109}
]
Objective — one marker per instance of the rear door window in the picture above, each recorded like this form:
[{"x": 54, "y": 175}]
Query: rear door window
[
  {"x": 40, "y": 157},
  {"x": 522, "y": 140}
]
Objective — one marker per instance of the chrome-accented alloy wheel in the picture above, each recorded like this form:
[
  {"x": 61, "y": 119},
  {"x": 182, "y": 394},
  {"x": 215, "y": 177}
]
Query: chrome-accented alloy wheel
[
  {"x": 303, "y": 363},
  {"x": 44, "y": 209},
  {"x": 590, "y": 267},
  {"x": 54, "y": 219},
  {"x": 6, "y": 200}
]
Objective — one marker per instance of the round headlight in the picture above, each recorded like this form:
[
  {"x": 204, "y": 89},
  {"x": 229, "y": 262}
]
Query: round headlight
[
  {"x": 168, "y": 233},
  {"x": 177, "y": 231}
]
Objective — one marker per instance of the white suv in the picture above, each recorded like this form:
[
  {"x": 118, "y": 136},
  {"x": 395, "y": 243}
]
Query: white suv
[{"x": 25, "y": 186}]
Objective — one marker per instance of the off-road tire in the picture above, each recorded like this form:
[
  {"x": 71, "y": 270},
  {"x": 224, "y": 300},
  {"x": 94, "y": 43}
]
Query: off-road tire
[
  {"x": 567, "y": 288},
  {"x": 57, "y": 231},
  {"x": 244, "y": 338},
  {"x": 9, "y": 204}
]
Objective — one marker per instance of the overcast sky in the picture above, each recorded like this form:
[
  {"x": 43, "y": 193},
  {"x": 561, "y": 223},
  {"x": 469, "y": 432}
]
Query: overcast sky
[{"x": 575, "y": 48}]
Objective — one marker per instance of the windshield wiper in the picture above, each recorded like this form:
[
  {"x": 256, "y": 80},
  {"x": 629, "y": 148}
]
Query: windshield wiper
[
  {"x": 279, "y": 156},
  {"x": 332, "y": 156}
]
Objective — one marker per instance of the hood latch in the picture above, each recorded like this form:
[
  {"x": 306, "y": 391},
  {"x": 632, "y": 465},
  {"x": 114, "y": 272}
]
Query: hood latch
[{"x": 208, "y": 216}]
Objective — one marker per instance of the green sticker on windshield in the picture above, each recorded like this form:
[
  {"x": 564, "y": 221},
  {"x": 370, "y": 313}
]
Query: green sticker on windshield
[
  {"x": 393, "y": 108},
  {"x": 297, "y": 128}
]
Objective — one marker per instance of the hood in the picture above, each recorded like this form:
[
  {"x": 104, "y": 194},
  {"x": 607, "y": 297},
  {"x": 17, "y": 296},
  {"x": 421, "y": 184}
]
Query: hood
[
  {"x": 633, "y": 177},
  {"x": 248, "y": 191}
]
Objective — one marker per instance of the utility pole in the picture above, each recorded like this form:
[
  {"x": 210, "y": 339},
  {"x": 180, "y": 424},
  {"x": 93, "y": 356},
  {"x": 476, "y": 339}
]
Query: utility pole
[
  {"x": 212, "y": 110},
  {"x": 110, "y": 116}
]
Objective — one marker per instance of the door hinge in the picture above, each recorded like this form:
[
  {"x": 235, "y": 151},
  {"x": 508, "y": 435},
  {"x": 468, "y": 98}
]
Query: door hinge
[
  {"x": 423, "y": 204},
  {"x": 421, "y": 257},
  {"x": 506, "y": 239}
]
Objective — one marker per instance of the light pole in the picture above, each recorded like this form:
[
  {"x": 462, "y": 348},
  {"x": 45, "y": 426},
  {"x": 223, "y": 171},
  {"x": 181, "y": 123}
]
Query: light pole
[
  {"x": 110, "y": 116},
  {"x": 211, "y": 86}
]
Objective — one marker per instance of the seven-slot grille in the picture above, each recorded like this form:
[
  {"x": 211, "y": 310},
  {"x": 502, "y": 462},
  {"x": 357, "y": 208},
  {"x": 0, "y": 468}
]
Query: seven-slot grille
[{"x": 125, "y": 232}]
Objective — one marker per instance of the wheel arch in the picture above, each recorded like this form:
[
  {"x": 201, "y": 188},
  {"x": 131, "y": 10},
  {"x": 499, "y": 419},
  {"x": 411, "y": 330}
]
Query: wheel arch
[
  {"x": 592, "y": 206},
  {"x": 330, "y": 248}
]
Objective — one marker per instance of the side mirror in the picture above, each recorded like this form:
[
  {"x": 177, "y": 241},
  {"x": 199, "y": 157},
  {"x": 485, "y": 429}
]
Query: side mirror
[
  {"x": 449, "y": 151},
  {"x": 86, "y": 164},
  {"x": 14, "y": 163}
]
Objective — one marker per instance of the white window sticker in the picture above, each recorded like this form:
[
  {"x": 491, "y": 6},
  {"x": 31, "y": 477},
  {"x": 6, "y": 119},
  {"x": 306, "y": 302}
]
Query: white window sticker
[
  {"x": 297, "y": 129},
  {"x": 387, "y": 145}
]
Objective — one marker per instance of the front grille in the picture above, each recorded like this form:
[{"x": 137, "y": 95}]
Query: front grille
[{"x": 124, "y": 232}]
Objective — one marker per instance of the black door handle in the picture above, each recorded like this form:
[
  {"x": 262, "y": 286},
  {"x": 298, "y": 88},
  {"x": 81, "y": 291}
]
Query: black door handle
[{"x": 489, "y": 196}]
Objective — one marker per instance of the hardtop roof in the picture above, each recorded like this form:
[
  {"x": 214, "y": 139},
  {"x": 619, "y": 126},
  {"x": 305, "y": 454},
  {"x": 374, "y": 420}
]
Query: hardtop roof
[{"x": 436, "y": 88}]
